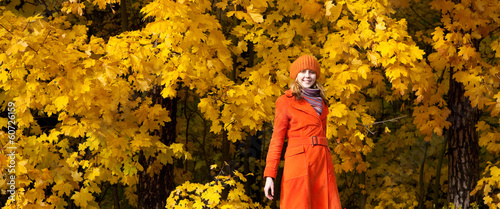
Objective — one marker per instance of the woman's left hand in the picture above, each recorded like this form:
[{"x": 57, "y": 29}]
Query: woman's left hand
[{"x": 269, "y": 186}]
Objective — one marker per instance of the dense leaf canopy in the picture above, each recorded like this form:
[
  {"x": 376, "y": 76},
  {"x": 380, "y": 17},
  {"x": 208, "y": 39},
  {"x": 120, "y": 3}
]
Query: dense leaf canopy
[{"x": 81, "y": 81}]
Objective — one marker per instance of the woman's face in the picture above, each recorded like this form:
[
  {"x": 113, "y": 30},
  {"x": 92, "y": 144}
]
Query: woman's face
[{"x": 306, "y": 78}]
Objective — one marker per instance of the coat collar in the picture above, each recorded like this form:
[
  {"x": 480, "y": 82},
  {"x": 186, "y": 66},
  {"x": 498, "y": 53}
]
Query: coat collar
[{"x": 304, "y": 106}]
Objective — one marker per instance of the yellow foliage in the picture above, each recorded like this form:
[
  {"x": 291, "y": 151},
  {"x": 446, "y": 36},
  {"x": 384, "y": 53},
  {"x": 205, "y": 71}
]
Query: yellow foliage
[
  {"x": 195, "y": 195},
  {"x": 488, "y": 184},
  {"x": 234, "y": 56},
  {"x": 83, "y": 86},
  {"x": 82, "y": 198}
]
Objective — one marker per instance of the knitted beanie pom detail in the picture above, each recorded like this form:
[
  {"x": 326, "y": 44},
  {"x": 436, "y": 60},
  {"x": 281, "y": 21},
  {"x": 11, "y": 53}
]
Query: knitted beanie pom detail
[{"x": 302, "y": 63}]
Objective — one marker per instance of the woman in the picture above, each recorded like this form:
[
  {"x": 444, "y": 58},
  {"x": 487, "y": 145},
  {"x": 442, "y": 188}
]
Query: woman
[{"x": 308, "y": 176}]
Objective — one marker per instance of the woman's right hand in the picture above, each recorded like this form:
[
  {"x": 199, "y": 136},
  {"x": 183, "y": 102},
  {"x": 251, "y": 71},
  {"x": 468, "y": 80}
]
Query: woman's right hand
[{"x": 269, "y": 186}]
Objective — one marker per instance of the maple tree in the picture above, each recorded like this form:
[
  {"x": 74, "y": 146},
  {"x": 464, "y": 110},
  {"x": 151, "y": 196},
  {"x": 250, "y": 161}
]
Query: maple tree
[
  {"x": 145, "y": 97},
  {"x": 464, "y": 53}
]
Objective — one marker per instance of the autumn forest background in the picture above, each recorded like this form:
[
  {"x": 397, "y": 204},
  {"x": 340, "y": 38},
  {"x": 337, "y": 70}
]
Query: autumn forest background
[{"x": 170, "y": 103}]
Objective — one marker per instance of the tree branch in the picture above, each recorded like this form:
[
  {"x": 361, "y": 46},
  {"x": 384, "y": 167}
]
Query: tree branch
[
  {"x": 418, "y": 15},
  {"x": 381, "y": 122},
  {"x": 6, "y": 29}
]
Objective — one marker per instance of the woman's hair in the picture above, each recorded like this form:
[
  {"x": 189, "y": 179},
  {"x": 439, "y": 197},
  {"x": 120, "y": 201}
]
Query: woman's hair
[{"x": 297, "y": 90}]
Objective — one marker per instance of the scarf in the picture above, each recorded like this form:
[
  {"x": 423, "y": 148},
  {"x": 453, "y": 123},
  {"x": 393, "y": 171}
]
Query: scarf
[{"x": 313, "y": 97}]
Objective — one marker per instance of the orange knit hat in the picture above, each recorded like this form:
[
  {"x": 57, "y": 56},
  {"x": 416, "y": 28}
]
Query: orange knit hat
[{"x": 302, "y": 63}]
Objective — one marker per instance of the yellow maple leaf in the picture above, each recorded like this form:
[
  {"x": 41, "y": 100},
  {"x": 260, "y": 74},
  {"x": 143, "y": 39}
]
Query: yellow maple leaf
[
  {"x": 333, "y": 11},
  {"x": 63, "y": 188},
  {"x": 77, "y": 176},
  {"x": 21, "y": 167},
  {"x": 416, "y": 53},
  {"x": 364, "y": 70},
  {"x": 495, "y": 45},
  {"x": 255, "y": 14},
  {"x": 19, "y": 46},
  {"x": 443, "y": 5},
  {"x": 95, "y": 172},
  {"x": 240, "y": 175},
  {"x": 82, "y": 197},
  {"x": 101, "y": 3},
  {"x": 386, "y": 49},
  {"x": 495, "y": 171},
  {"x": 467, "y": 52},
  {"x": 338, "y": 110},
  {"x": 198, "y": 203},
  {"x": 3, "y": 121},
  {"x": 61, "y": 102},
  {"x": 310, "y": 8},
  {"x": 214, "y": 166},
  {"x": 373, "y": 57},
  {"x": 380, "y": 26},
  {"x": 222, "y": 4},
  {"x": 177, "y": 147},
  {"x": 239, "y": 14}
]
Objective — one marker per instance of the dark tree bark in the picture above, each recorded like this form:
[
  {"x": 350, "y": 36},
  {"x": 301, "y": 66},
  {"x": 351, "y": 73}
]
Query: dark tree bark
[
  {"x": 253, "y": 149},
  {"x": 116, "y": 197},
  {"x": 124, "y": 15},
  {"x": 153, "y": 191},
  {"x": 362, "y": 180},
  {"x": 463, "y": 146},
  {"x": 421, "y": 180},
  {"x": 437, "y": 185}
]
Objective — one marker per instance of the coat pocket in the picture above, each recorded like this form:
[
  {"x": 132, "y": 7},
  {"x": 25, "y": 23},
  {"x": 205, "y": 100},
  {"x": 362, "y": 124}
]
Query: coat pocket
[{"x": 295, "y": 163}]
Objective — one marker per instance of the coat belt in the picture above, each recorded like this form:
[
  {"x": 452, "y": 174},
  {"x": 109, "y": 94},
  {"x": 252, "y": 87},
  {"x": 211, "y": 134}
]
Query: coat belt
[{"x": 309, "y": 140}]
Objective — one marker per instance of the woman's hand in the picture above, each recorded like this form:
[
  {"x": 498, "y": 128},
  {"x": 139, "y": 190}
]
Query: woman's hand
[{"x": 269, "y": 186}]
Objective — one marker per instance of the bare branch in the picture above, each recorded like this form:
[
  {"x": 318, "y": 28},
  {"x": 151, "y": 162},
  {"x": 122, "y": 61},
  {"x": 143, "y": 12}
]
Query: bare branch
[
  {"x": 381, "y": 122},
  {"x": 385, "y": 121},
  {"x": 43, "y": 40},
  {"x": 6, "y": 29}
]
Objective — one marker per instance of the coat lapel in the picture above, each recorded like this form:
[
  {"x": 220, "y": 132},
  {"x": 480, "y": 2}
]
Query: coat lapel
[
  {"x": 304, "y": 106},
  {"x": 325, "y": 112}
]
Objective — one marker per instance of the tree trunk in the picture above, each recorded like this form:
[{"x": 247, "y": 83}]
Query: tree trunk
[
  {"x": 422, "y": 189},
  {"x": 437, "y": 185},
  {"x": 124, "y": 15},
  {"x": 463, "y": 146},
  {"x": 226, "y": 158},
  {"x": 253, "y": 143},
  {"x": 253, "y": 146},
  {"x": 154, "y": 190},
  {"x": 116, "y": 197},
  {"x": 362, "y": 180}
]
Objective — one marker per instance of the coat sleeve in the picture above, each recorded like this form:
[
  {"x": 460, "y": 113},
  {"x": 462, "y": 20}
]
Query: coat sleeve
[{"x": 281, "y": 122}]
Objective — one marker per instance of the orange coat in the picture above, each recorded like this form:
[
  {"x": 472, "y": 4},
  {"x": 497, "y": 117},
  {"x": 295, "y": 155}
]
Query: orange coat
[{"x": 308, "y": 177}]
